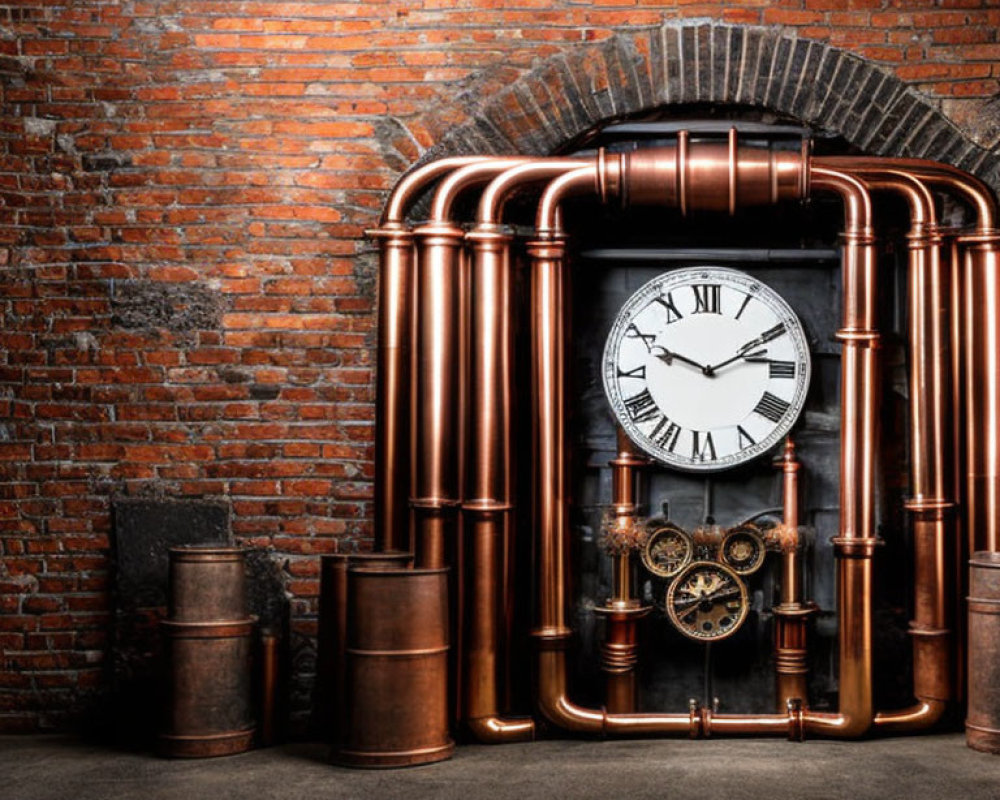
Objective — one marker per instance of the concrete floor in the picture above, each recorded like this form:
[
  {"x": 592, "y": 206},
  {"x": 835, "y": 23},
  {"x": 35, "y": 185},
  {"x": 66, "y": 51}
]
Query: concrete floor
[{"x": 939, "y": 767}]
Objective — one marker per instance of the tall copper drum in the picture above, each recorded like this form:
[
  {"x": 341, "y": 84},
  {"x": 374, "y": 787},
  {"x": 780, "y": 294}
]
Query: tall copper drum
[
  {"x": 397, "y": 668},
  {"x": 982, "y": 722},
  {"x": 208, "y": 643},
  {"x": 330, "y": 694}
]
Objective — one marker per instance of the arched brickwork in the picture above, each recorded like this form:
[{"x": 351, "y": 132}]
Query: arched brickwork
[{"x": 701, "y": 62}]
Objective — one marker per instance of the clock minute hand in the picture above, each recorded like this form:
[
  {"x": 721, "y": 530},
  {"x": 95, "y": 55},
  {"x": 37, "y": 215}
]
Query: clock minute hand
[{"x": 742, "y": 354}]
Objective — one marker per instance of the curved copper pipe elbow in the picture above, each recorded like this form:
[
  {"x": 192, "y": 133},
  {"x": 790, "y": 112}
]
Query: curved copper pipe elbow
[
  {"x": 974, "y": 190},
  {"x": 415, "y": 181},
  {"x": 464, "y": 178},
  {"x": 924, "y": 714},
  {"x": 494, "y": 730},
  {"x": 493, "y": 197},
  {"x": 575, "y": 182}
]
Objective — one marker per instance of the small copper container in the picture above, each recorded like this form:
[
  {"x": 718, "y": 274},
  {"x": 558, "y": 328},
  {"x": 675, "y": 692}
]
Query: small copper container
[{"x": 208, "y": 645}]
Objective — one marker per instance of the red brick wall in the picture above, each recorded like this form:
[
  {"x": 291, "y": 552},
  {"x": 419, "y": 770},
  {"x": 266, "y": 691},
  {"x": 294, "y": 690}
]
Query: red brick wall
[{"x": 187, "y": 300}]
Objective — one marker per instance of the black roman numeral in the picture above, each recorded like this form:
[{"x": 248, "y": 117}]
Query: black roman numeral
[
  {"x": 641, "y": 407},
  {"x": 746, "y": 301},
  {"x": 699, "y": 448},
  {"x": 781, "y": 369},
  {"x": 771, "y": 407},
  {"x": 741, "y": 436},
  {"x": 632, "y": 332},
  {"x": 665, "y": 434},
  {"x": 707, "y": 297},
  {"x": 668, "y": 304},
  {"x": 638, "y": 372}
]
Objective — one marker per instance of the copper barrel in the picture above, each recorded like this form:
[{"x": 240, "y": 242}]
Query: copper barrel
[
  {"x": 397, "y": 668},
  {"x": 982, "y": 722},
  {"x": 331, "y": 647},
  {"x": 208, "y": 643}
]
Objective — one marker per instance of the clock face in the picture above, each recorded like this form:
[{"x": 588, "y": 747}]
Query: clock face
[{"x": 706, "y": 368}]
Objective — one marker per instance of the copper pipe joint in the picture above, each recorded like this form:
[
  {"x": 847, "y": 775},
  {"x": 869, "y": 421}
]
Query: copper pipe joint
[{"x": 711, "y": 176}]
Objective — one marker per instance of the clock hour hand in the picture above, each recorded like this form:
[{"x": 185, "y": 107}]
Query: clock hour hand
[
  {"x": 756, "y": 355},
  {"x": 667, "y": 357}
]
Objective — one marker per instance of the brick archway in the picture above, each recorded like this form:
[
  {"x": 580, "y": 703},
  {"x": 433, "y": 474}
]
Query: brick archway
[{"x": 700, "y": 62}]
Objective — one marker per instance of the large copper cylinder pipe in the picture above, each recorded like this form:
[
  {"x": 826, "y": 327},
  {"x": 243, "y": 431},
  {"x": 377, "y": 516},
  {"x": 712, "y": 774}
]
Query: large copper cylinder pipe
[
  {"x": 435, "y": 408},
  {"x": 208, "y": 638},
  {"x": 397, "y": 660},
  {"x": 392, "y": 388},
  {"x": 712, "y": 176}
]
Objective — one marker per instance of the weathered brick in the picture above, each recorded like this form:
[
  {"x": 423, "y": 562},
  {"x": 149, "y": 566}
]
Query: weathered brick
[{"x": 188, "y": 311}]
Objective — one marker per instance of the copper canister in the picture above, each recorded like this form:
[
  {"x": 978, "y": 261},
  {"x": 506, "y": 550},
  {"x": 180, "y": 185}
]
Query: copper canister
[
  {"x": 982, "y": 722},
  {"x": 208, "y": 647},
  {"x": 397, "y": 668},
  {"x": 331, "y": 646}
]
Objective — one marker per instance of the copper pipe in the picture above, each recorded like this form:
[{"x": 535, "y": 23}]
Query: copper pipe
[
  {"x": 856, "y": 541},
  {"x": 480, "y": 320},
  {"x": 488, "y": 500},
  {"x": 981, "y": 345},
  {"x": 930, "y": 504},
  {"x": 791, "y": 655},
  {"x": 623, "y": 610},
  {"x": 443, "y": 348},
  {"x": 952, "y": 263},
  {"x": 269, "y": 654},
  {"x": 439, "y": 367},
  {"x": 393, "y": 376},
  {"x": 435, "y": 409}
]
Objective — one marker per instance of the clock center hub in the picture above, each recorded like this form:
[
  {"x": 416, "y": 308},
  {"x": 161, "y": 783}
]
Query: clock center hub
[{"x": 692, "y": 398}]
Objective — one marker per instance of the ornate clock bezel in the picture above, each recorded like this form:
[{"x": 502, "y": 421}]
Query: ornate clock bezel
[
  {"x": 683, "y": 575},
  {"x": 659, "y": 532},
  {"x": 740, "y": 281}
]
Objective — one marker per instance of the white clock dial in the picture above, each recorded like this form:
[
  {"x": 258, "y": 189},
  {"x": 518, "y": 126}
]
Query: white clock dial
[{"x": 706, "y": 368}]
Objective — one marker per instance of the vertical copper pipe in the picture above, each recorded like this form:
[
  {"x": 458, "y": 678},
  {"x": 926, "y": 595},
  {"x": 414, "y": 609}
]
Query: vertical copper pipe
[
  {"x": 981, "y": 345},
  {"x": 952, "y": 263},
  {"x": 859, "y": 436},
  {"x": 791, "y": 615},
  {"x": 930, "y": 503},
  {"x": 435, "y": 408},
  {"x": 623, "y": 610},
  {"x": 269, "y": 655},
  {"x": 393, "y": 374},
  {"x": 488, "y": 500},
  {"x": 439, "y": 364},
  {"x": 479, "y": 318},
  {"x": 982, "y": 380}
]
